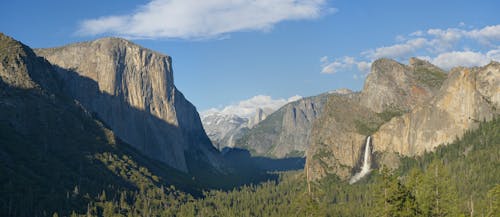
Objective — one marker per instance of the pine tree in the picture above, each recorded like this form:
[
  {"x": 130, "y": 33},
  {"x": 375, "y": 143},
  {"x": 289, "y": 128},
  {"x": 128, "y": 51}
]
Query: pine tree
[
  {"x": 439, "y": 197},
  {"x": 494, "y": 201}
]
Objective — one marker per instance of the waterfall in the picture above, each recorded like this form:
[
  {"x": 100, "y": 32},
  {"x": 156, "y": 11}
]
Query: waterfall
[{"x": 365, "y": 169}]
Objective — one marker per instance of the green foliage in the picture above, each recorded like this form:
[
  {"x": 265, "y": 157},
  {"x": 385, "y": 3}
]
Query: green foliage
[
  {"x": 295, "y": 153},
  {"x": 92, "y": 174},
  {"x": 388, "y": 114},
  {"x": 432, "y": 77},
  {"x": 367, "y": 128},
  {"x": 494, "y": 201}
]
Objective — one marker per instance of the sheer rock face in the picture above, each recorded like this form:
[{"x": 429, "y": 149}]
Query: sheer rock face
[
  {"x": 259, "y": 116},
  {"x": 132, "y": 90},
  {"x": 285, "y": 132},
  {"x": 392, "y": 85},
  {"x": 440, "y": 108},
  {"x": 339, "y": 134},
  {"x": 335, "y": 141},
  {"x": 467, "y": 97}
]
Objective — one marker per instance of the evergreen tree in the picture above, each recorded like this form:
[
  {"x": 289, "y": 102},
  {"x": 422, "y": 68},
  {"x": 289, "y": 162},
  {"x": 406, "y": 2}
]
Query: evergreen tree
[
  {"x": 494, "y": 201},
  {"x": 439, "y": 197}
]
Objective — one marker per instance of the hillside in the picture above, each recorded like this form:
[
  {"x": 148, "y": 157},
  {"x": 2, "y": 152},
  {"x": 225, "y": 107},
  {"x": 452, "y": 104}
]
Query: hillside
[
  {"x": 465, "y": 177},
  {"x": 131, "y": 89},
  {"x": 57, "y": 156},
  {"x": 407, "y": 109},
  {"x": 285, "y": 132}
]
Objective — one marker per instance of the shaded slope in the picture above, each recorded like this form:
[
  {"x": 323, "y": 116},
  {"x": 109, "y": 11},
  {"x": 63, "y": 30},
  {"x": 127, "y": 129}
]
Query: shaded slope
[
  {"x": 54, "y": 156},
  {"x": 132, "y": 90}
]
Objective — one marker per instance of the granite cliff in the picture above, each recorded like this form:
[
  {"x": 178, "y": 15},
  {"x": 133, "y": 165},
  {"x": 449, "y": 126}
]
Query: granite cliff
[
  {"x": 131, "y": 89},
  {"x": 390, "y": 90},
  {"x": 285, "y": 132},
  {"x": 468, "y": 96},
  {"x": 395, "y": 86}
]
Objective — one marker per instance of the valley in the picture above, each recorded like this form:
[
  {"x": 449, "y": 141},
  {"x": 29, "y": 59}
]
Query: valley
[{"x": 99, "y": 127}]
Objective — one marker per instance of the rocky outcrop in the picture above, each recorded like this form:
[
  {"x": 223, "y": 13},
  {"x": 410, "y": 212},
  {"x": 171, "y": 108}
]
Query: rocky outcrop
[
  {"x": 336, "y": 139},
  {"x": 285, "y": 132},
  {"x": 132, "y": 90},
  {"x": 391, "y": 89},
  {"x": 394, "y": 86},
  {"x": 259, "y": 116},
  {"x": 21, "y": 68},
  {"x": 468, "y": 96}
]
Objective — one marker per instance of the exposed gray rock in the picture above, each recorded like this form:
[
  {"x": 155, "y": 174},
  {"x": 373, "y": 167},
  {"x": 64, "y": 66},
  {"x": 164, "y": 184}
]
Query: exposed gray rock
[
  {"x": 467, "y": 97},
  {"x": 222, "y": 128},
  {"x": 284, "y": 133},
  {"x": 391, "y": 89},
  {"x": 132, "y": 90},
  {"x": 394, "y": 86},
  {"x": 259, "y": 116}
]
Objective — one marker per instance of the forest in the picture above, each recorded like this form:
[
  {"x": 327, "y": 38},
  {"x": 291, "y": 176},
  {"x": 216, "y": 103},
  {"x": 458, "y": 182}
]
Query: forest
[{"x": 459, "y": 179}]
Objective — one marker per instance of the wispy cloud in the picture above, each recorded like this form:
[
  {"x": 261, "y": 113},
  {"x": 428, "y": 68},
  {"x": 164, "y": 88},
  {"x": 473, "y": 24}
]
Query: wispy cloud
[
  {"x": 344, "y": 63},
  {"x": 445, "y": 48},
  {"x": 246, "y": 108},
  {"x": 192, "y": 19}
]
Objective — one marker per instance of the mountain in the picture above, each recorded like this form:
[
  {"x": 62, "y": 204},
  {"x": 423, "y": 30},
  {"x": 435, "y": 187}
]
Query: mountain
[
  {"x": 131, "y": 89},
  {"x": 285, "y": 132},
  {"x": 391, "y": 90},
  {"x": 259, "y": 116},
  {"x": 468, "y": 96},
  {"x": 54, "y": 154},
  {"x": 392, "y": 85},
  {"x": 225, "y": 129},
  {"x": 222, "y": 128}
]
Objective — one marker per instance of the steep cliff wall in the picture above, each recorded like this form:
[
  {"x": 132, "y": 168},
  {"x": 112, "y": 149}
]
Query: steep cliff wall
[
  {"x": 132, "y": 90},
  {"x": 467, "y": 97},
  {"x": 285, "y": 132},
  {"x": 390, "y": 90}
]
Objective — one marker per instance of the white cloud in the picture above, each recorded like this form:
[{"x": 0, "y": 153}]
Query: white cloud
[
  {"x": 494, "y": 55},
  {"x": 345, "y": 63},
  {"x": 364, "y": 66},
  {"x": 332, "y": 67},
  {"x": 397, "y": 50},
  {"x": 203, "y": 19},
  {"x": 460, "y": 58},
  {"x": 486, "y": 35},
  {"x": 445, "y": 48},
  {"x": 247, "y": 108}
]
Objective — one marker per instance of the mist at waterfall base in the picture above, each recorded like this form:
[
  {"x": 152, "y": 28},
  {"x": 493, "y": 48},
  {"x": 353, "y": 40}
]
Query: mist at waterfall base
[{"x": 366, "y": 168}]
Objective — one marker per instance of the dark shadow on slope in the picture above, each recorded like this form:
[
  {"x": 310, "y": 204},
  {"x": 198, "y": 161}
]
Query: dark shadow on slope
[
  {"x": 50, "y": 151},
  {"x": 201, "y": 173},
  {"x": 55, "y": 156},
  {"x": 243, "y": 158}
]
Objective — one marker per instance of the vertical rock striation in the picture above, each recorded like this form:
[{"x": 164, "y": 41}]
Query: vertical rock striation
[
  {"x": 392, "y": 85},
  {"x": 468, "y": 96},
  {"x": 132, "y": 90},
  {"x": 391, "y": 89},
  {"x": 285, "y": 132}
]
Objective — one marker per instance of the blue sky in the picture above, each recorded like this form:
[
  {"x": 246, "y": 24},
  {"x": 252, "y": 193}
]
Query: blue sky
[{"x": 226, "y": 51}]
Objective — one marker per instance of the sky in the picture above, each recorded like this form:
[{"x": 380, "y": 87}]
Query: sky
[{"x": 228, "y": 53}]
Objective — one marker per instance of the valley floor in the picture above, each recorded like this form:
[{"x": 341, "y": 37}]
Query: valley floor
[{"x": 460, "y": 179}]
